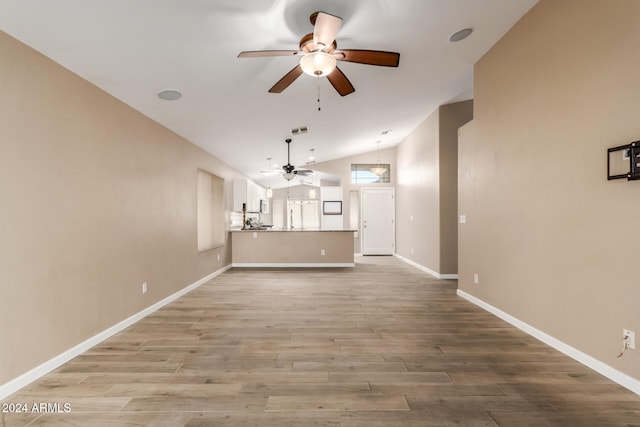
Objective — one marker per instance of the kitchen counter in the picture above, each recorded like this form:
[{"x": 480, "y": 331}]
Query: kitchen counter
[{"x": 292, "y": 248}]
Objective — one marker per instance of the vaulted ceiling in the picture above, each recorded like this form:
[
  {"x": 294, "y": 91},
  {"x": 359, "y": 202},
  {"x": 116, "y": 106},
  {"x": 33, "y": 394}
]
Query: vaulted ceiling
[{"x": 133, "y": 49}]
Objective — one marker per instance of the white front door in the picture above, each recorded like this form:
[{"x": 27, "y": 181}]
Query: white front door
[{"x": 378, "y": 221}]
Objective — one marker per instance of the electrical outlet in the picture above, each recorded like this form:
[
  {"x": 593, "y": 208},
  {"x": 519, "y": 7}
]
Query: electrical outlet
[
  {"x": 144, "y": 287},
  {"x": 322, "y": 252},
  {"x": 630, "y": 338},
  {"x": 476, "y": 279},
  {"x": 463, "y": 219}
]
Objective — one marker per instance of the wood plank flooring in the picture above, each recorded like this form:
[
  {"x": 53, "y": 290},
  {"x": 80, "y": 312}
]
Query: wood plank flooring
[{"x": 381, "y": 344}]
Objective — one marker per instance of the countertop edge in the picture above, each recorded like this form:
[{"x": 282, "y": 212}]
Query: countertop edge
[{"x": 268, "y": 230}]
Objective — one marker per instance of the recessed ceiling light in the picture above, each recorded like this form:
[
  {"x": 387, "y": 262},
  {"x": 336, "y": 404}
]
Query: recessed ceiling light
[
  {"x": 169, "y": 95},
  {"x": 460, "y": 35}
]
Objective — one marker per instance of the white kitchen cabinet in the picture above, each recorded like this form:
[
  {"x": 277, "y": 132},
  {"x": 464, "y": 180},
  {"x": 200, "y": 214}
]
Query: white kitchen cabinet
[{"x": 245, "y": 191}]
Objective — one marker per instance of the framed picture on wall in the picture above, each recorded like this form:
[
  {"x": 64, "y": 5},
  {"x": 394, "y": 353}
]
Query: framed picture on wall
[{"x": 332, "y": 207}]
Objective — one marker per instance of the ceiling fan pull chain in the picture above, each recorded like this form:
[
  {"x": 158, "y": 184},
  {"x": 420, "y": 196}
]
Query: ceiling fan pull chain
[{"x": 319, "y": 109}]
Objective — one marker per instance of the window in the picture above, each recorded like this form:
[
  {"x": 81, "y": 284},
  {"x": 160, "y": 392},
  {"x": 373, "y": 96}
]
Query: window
[
  {"x": 210, "y": 215},
  {"x": 303, "y": 214},
  {"x": 361, "y": 174}
]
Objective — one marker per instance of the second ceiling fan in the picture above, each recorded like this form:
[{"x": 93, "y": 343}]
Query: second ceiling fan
[{"x": 319, "y": 55}]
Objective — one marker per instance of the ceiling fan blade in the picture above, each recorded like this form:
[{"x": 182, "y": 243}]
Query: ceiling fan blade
[
  {"x": 370, "y": 57},
  {"x": 340, "y": 82},
  {"x": 326, "y": 28},
  {"x": 267, "y": 53},
  {"x": 288, "y": 78},
  {"x": 304, "y": 172}
]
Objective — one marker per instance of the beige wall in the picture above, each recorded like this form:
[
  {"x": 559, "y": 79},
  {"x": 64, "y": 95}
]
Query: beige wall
[
  {"x": 452, "y": 117},
  {"x": 417, "y": 195},
  {"x": 96, "y": 199},
  {"x": 553, "y": 242},
  {"x": 427, "y": 163}
]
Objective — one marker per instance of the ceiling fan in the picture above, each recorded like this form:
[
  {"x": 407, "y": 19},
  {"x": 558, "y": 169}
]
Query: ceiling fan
[
  {"x": 319, "y": 55},
  {"x": 289, "y": 171}
]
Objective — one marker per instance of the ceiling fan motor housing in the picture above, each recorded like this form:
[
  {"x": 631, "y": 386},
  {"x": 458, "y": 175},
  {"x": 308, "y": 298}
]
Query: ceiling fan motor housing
[{"x": 307, "y": 45}]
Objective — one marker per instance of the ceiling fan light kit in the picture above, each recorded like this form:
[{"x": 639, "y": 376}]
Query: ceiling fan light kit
[{"x": 318, "y": 63}]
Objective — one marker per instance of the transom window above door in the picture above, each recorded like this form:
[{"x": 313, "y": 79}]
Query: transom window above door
[{"x": 370, "y": 173}]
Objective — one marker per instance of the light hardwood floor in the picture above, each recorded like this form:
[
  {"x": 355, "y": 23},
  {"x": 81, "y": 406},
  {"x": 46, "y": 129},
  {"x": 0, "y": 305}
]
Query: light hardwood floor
[{"x": 381, "y": 344}]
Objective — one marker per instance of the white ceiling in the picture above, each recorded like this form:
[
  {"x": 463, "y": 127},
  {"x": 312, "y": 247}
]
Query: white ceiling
[{"x": 132, "y": 49}]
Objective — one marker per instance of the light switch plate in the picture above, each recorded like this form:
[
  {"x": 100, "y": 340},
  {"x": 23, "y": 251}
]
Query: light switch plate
[
  {"x": 631, "y": 338},
  {"x": 463, "y": 219}
]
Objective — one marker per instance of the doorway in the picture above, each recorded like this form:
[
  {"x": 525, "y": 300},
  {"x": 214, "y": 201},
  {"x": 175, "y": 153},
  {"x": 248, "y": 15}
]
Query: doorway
[{"x": 378, "y": 221}]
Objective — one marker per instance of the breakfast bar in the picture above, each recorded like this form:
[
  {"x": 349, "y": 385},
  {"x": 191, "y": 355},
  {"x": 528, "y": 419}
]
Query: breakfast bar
[{"x": 292, "y": 248}]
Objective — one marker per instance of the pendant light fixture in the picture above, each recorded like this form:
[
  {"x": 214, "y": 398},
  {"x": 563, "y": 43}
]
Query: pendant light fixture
[
  {"x": 312, "y": 160},
  {"x": 269, "y": 190},
  {"x": 379, "y": 170}
]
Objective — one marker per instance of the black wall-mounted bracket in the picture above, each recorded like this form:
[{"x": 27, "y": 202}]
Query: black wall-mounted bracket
[{"x": 624, "y": 162}]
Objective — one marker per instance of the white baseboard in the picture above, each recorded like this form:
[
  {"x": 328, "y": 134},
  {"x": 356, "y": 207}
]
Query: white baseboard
[
  {"x": 427, "y": 270},
  {"x": 598, "y": 366},
  {"x": 48, "y": 366},
  {"x": 291, "y": 264}
]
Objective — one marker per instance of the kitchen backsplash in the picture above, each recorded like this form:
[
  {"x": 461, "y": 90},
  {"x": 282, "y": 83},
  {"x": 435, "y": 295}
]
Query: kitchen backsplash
[{"x": 235, "y": 219}]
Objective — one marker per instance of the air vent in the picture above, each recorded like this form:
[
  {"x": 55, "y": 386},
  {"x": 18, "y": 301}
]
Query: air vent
[{"x": 300, "y": 130}]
